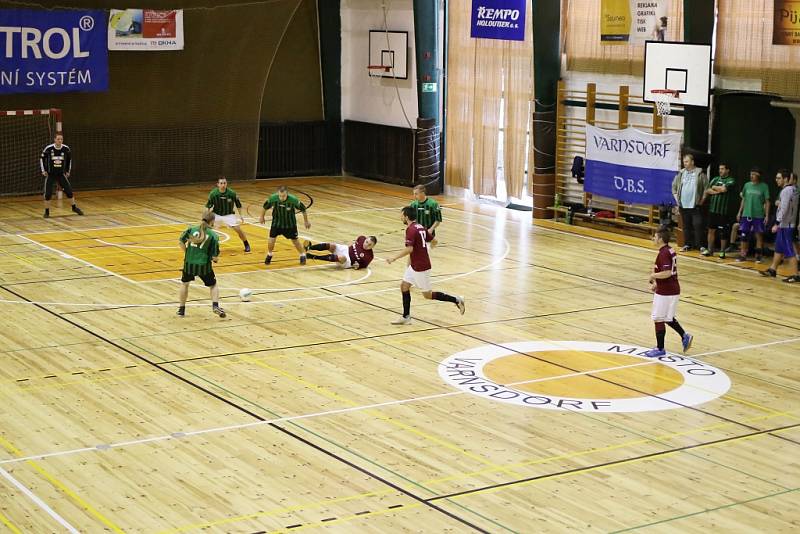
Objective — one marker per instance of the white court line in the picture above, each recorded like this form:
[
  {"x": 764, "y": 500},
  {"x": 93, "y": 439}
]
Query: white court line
[
  {"x": 174, "y": 247},
  {"x": 69, "y": 256},
  {"x": 177, "y": 435},
  {"x": 43, "y": 505},
  {"x": 367, "y": 274},
  {"x": 119, "y": 227},
  {"x": 254, "y": 302},
  {"x": 736, "y": 349},
  {"x": 245, "y": 273},
  {"x": 642, "y": 247}
]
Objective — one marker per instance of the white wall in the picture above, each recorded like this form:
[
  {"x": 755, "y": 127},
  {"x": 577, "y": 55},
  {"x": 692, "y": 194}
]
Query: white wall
[{"x": 361, "y": 101}]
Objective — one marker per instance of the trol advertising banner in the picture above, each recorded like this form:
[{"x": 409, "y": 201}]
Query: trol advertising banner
[{"x": 52, "y": 51}]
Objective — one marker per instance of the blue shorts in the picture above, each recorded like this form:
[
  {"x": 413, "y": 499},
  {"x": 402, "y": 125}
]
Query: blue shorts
[
  {"x": 748, "y": 225},
  {"x": 783, "y": 242}
]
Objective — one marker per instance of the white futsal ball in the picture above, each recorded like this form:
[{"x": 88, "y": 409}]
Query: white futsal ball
[{"x": 245, "y": 294}]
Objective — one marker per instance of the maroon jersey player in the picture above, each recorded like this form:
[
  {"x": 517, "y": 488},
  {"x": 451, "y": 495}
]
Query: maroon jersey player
[
  {"x": 667, "y": 292},
  {"x": 358, "y": 255},
  {"x": 418, "y": 272}
]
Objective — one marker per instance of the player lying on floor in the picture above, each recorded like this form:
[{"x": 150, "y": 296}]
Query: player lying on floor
[{"x": 358, "y": 255}]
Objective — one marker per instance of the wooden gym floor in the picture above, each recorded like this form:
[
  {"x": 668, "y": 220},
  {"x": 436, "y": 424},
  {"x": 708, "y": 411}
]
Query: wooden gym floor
[{"x": 306, "y": 410}]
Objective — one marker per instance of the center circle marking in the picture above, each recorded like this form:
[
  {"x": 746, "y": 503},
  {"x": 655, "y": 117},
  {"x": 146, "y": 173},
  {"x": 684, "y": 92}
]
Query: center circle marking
[{"x": 583, "y": 376}]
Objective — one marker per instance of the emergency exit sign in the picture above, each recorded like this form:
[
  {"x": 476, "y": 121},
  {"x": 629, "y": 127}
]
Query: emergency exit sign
[{"x": 429, "y": 87}]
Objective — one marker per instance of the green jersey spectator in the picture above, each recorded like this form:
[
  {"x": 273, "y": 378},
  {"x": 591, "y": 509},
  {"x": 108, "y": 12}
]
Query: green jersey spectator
[
  {"x": 721, "y": 192},
  {"x": 753, "y": 212}
]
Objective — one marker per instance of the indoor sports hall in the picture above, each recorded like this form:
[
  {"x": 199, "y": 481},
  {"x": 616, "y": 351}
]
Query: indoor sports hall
[{"x": 399, "y": 266}]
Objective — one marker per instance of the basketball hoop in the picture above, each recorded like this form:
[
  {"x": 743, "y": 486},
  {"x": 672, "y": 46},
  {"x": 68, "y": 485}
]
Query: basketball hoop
[
  {"x": 376, "y": 72},
  {"x": 663, "y": 99}
]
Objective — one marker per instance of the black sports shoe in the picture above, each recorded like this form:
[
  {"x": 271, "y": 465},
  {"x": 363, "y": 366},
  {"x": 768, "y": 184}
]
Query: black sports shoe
[
  {"x": 181, "y": 311},
  {"x": 303, "y": 259},
  {"x": 219, "y": 311},
  {"x": 77, "y": 210},
  {"x": 267, "y": 260},
  {"x": 768, "y": 272},
  {"x": 247, "y": 247},
  {"x": 47, "y": 213}
]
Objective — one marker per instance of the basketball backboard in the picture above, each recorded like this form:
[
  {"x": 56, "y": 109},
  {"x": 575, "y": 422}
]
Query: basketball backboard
[
  {"x": 388, "y": 49},
  {"x": 681, "y": 67}
]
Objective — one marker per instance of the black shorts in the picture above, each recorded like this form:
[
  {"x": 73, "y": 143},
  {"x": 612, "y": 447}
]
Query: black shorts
[
  {"x": 209, "y": 279},
  {"x": 719, "y": 221},
  {"x": 288, "y": 233},
  {"x": 50, "y": 184}
]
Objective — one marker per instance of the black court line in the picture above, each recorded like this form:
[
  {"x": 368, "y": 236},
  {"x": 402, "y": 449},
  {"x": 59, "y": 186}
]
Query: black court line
[
  {"x": 27, "y": 282},
  {"x": 623, "y": 286},
  {"x": 610, "y": 283},
  {"x": 608, "y": 381},
  {"x": 254, "y": 415},
  {"x": 368, "y": 190},
  {"x": 431, "y": 327},
  {"x": 305, "y": 345},
  {"x": 258, "y": 292},
  {"x": 623, "y": 461}
]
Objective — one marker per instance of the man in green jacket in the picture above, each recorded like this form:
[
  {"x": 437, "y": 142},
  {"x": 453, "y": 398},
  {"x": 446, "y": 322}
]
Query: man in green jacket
[{"x": 688, "y": 188}]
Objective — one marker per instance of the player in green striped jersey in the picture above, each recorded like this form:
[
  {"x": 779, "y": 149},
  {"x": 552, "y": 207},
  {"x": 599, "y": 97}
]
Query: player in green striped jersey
[
  {"x": 721, "y": 190},
  {"x": 429, "y": 214},
  {"x": 200, "y": 245},
  {"x": 284, "y": 222},
  {"x": 226, "y": 205}
]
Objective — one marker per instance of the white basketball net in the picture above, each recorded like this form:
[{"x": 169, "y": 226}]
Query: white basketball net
[
  {"x": 662, "y": 100},
  {"x": 375, "y": 76}
]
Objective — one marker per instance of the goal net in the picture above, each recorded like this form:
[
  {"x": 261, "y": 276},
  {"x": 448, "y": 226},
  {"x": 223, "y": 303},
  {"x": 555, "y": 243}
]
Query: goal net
[{"x": 23, "y": 135}]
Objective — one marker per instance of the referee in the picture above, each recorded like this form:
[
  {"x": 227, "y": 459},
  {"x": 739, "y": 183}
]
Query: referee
[{"x": 56, "y": 164}]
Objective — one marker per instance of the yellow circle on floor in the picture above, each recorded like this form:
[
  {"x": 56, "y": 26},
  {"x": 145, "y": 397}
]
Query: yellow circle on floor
[{"x": 521, "y": 372}]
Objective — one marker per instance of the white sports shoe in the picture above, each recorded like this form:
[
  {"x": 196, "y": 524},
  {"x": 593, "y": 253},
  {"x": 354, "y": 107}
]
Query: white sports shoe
[
  {"x": 461, "y": 306},
  {"x": 402, "y": 320}
]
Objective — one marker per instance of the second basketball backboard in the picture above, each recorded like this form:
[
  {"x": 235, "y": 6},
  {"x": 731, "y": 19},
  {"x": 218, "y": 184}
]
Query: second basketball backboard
[
  {"x": 681, "y": 67},
  {"x": 388, "y": 49}
]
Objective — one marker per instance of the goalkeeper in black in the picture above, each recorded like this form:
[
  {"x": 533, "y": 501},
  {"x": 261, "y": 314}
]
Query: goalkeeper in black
[{"x": 56, "y": 164}]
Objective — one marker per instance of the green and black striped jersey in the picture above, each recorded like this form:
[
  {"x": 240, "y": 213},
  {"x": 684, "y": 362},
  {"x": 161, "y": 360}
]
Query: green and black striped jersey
[
  {"x": 223, "y": 203},
  {"x": 199, "y": 254},
  {"x": 428, "y": 212},
  {"x": 721, "y": 203},
  {"x": 283, "y": 210}
]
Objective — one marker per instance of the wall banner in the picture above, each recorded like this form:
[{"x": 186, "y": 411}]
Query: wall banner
[
  {"x": 631, "y": 165},
  {"x": 634, "y": 21},
  {"x": 145, "y": 29},
  {"x": 786, "y": 22},
  {"x": 498, "y": 19},
  {"x": 52, "y": 51},
  {"x": 615, "y": 20}
]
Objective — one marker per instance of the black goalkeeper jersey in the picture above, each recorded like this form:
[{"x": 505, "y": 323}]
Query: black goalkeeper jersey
[{"x": 57, "y": 161}]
